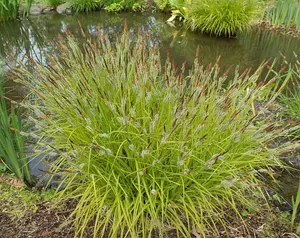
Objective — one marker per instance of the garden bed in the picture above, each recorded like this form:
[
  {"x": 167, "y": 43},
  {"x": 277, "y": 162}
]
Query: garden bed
[{"x": 45, "y": 219}]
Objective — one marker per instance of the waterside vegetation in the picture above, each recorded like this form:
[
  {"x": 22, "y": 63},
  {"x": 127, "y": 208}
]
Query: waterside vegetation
[
  {"x": 12, "y": 143},
  {"x": 284, "y": 13},
  {"x": 214, "y": 17},
  {"x": 9, "y": 9},
  {"x": 153, "y": 148},
  {"x": 138, "y": 146}
]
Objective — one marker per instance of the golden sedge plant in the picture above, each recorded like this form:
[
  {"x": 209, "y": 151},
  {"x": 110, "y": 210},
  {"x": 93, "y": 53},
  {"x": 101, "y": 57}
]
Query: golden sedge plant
[
  {"x": 145, "y": 148},
  {"x": 223, "y": 17}
]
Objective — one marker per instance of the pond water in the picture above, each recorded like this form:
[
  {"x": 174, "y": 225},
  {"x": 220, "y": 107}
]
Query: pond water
[
  {"x": 31, "y": 36},
  {"x": 35, "y": 36}
]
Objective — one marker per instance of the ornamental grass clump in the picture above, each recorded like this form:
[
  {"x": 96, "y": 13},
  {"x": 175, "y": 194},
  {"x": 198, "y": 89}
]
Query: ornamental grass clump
[
  {"x": 144, "y": 148},
  {"x": 223, "y": 17}
]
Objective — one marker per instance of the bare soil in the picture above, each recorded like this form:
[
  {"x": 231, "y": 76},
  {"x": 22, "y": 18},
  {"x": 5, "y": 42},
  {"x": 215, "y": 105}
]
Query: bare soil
[{"x": 47, "y": 221}]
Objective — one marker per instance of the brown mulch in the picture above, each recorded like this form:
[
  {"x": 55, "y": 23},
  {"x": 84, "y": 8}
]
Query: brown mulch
[{"x": 47, "y": 222}]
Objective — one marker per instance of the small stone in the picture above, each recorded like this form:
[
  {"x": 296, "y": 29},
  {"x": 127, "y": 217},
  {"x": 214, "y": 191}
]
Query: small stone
[
  {"x": 47, "y": 9},
  {"x": 37, "y": 9},
  {"x": 21, "y": 9},
  {"x": 68, "y": 11},
  {"x": 64, "y": 8}
]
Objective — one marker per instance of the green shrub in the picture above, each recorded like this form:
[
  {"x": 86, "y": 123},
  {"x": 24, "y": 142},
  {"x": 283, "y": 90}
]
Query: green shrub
[
  {"x": 115, "y": 7},
  {"x": 142, "y": 147},
  {"x": 119, "y": 5},
  {"x": 54, "y": 2},
  {"x": 171, "y": 4},
  {"x": 161, "y": 4},
  {"x": 85, "y": 5},
  {"x": 109, "y": 5},
  {"x": 284, "y": 12},
  {"x": 223, "y": 17}
]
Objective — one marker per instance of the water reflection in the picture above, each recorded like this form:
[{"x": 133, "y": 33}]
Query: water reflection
[{"x": 35, "y": 36}]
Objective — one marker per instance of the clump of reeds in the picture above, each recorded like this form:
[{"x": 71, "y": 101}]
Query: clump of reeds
[
  {"x": 12, "y": 143},
  {"x": 284, "y": 13},
  {"x": 144, "y": 147}
]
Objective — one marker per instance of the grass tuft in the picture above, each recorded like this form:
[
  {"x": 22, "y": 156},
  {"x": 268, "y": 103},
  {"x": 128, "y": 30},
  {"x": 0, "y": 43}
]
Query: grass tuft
[
  {"x": 223, "y": 17},
  {"x": 143, "y": 147}
]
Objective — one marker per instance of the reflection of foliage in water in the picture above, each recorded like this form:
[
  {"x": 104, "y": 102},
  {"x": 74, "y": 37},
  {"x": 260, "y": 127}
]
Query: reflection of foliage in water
[
  {"x": 249, "y": 49},
  {"x": 23, "y": 38}
]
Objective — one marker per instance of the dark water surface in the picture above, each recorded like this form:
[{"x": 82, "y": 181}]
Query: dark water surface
[
  {"x": 31, "y": 36},
  {"x": 35, "y": 36}
]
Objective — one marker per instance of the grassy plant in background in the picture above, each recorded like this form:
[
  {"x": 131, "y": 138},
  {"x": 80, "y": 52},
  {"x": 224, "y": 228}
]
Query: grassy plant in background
[
  {"x": 284, "y": 13},
  {"x": 54, "y": 2},
  {"x": 120, "y": 5},
  {"x": 9, "y": 8},
  {"x": 161, "y": 4},
  {"x": 143, "y": 147},
  {"x": 85, "y": 5},
  {"x": 115, "y": 7},
  {"x": 223, "y": 17}
]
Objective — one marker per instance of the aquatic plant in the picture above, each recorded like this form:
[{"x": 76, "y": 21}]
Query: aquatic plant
[
  {"x": 54, "y": 2},
  {"x": 284, "y": 13},
  {"x": 143, "y": 147},
  {"x": 12, "y": 146},
  {"x": 223, "y": 17},
  {"x": 85, "y": 5},
  {"x": 9, "y": 8}
]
